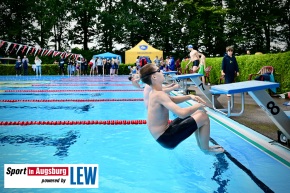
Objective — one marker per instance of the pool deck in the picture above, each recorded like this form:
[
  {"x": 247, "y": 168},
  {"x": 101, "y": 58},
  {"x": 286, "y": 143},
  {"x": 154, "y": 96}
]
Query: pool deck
[
  {"x": 253, "y": 125},
  {"x": 253, "y": 117}
]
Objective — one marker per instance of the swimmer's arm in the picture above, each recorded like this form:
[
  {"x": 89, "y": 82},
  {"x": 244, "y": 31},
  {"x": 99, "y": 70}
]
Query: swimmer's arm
[
  {"x": 180, "y": 112},
  {"x": 170, "y": 88},
  {"x": 136, "y": 84},
  {"x": 180, "y": 99}
]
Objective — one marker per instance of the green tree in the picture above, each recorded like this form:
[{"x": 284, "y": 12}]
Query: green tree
[{"x": 85, "y": 14}]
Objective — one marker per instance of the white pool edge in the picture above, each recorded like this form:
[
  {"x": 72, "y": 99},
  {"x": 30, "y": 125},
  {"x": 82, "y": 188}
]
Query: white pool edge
[{"x": 263, "y": 143}]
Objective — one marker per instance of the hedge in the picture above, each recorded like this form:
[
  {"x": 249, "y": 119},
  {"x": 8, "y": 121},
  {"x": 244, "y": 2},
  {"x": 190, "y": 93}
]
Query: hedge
[
  {"x": 251, "y": 64},
  {"x": 50, "y": 69}
]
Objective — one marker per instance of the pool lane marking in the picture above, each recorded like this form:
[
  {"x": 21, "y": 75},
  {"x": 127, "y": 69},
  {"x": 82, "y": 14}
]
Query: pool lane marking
[
  {"x": 81, "y": 84},
  {"x": 70, "y": 100},
  {"x": 139, "y": 90},
  {"x": 87, "y": 122},
  {"x": 262, "y": 144},
  {"x": 259, "y": 183}
]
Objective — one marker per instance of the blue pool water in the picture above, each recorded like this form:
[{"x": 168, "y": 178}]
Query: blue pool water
[{"x": 129, "y": 159}]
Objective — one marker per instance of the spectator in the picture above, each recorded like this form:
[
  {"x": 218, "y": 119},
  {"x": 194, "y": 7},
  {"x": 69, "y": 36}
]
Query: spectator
[
  {"x": 157, "y": 62},
  {"x": 18, "y": 66},
  {"x": 138, "y": 63},
  {"x": 85, "y": 64},
  {"x": 99, "y": 66},
  {"x": 112, "y": 69},
  {"x": 61, "y": 65},
  {"x": 93, "y": 66},
  {"x": 117, "y": 63},
  {"x": 70, "y": 67},
  {"x": 230, "y": 66},
  {"x": 37, "y": 62},
  {"x": 202, "y": 67},
  {"x": 25, "y": 63},
  {"x": 108, "y": 66},
  {"x": 178, "y": 66},
  {"x": 171, "y": 63},
  {"x": 73, "y": 67},
  {"x": 142, "y": 61},
  {"x": 82, "y": 69}
]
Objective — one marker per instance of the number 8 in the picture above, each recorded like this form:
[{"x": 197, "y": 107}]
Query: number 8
[{"x": 274, "y": 109}]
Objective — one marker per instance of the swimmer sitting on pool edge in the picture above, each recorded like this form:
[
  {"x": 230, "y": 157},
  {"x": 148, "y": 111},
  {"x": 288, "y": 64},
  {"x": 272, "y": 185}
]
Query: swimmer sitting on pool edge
[{"x": 189, "y": 120}]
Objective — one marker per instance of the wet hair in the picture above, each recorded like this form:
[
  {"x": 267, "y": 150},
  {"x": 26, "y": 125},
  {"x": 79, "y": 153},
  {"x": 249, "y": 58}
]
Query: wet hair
[
  {"x": 229, "y": 48},
  {"x": 130, "y": 78},
  {"x": 145, "y": 70}
]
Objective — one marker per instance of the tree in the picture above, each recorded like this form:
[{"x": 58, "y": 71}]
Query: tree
[{"x": 84, "y": 13}]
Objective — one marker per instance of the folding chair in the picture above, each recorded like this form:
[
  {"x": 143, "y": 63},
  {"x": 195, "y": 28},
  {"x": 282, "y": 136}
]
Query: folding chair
[{"x": 263, "y": 70}]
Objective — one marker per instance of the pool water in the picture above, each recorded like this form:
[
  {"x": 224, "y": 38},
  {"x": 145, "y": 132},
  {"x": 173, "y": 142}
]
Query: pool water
[{"x": 129, "y": 159}]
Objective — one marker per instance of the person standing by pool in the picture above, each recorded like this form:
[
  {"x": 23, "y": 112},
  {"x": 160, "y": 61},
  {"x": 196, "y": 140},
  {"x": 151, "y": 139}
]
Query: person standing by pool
[
  {"x": 99, "y": 66},
  {"x": 190, "y": 119},
  {"x": 61, "y": 65},
  {"x": 202, "y": 67},
  {"x": 230, "y": 66},
  {"x": 194, "y": 58},
  {"x": 18, "y": 66},
  {"x": 117, "y": 63},
  {"x": 37, "y": 62},
  {"x": 25, "y": 62}
]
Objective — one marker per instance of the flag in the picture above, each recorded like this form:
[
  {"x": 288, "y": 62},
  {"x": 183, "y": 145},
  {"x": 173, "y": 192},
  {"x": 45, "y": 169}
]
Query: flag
[
  {"x": 24, "y": 49},
  {"x": 9, "y": 43},
  {"x": 13, "y": 47},
  {"x": 39, "y": 51},
  {"x": 2, "y": 43},
  {"x": 20, "y": 46},
  {"x": 32, "y": 50},
  {"x": 28, "y": 49}
]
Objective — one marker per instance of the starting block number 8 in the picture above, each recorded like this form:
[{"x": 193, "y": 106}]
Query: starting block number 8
[{"x": 273, "y": 108}]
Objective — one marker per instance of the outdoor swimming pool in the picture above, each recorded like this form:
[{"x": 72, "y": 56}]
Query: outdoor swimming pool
[{"x": 129, "y": 159}]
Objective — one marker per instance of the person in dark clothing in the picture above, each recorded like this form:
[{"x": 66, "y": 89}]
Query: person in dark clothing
[
  {"x": 61, "y": 65},
  {"x": 107, "y": 67},
  {"x": 18, "y": 66},
  {"x": 230, "y": 66},
  {"x": 25, "y": 65}
]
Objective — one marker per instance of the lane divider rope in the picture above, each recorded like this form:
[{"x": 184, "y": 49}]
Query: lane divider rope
[
  {"x": 73, "y": 90},
  {"x": 69, "y": 100},
  {"x": 81, "y": 84},
  {"x": 89, "y": 122}
]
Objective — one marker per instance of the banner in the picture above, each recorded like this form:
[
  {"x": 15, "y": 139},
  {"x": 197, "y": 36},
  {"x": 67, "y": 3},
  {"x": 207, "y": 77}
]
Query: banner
[
  {"x": 34, "y": 50},
  {"x": 51, "y": 175}
]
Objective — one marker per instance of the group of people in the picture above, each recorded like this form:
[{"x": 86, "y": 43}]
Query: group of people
[
  {"x": 168, "y": 64},
  {"x": 96, "y": 66},
  {"x": 21, "y": 66}
]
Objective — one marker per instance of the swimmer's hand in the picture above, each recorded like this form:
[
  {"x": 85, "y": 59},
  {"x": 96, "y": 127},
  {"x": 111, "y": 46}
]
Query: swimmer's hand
[
  {"x": 197, "y": 99},
  {"x": 176, "y": 86}
]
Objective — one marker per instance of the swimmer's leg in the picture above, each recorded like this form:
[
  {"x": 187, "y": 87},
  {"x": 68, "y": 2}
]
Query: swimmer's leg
[
  {"x": 202, "y": 134},
  {"x": 194, "y": 69}
]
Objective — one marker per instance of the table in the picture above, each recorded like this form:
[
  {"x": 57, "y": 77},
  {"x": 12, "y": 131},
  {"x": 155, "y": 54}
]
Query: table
[{"x": 256, "y": 90}]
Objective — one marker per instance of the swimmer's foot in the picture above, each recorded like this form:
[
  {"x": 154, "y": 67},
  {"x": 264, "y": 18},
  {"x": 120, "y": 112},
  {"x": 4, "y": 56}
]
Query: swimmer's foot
[{"x": 216, "y": 149}]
